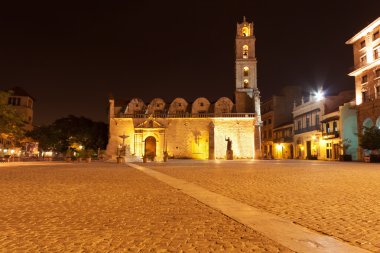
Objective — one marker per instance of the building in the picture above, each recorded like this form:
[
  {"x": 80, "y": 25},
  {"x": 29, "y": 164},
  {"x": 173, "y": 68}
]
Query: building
[
  {"x": 283, "y": 141},
  {"x": 317, "y": 126},
  {"x": 22, "y": 102},
  {"x": 366, "y": 71},
  {"x": 275, "y": 112},
  {"x": 197, "y": 130}
]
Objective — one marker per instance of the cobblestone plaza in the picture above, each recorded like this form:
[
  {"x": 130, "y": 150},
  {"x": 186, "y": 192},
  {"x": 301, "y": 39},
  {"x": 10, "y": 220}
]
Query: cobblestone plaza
[{"x": 108, "y": 207}]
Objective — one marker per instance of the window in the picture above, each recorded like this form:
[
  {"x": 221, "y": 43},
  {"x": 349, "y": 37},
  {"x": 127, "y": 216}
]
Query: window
[
  {"x": 307, "y": 122},
  {"x": 364, "y": 79},
  {"x": 265, "y": 122},
  {"x": 246, "y": 71},
  {"x": 245, "y": 51},
  {"x": 317, "y": 119},
  {"x": 246, "y": 82},
  {"x": 375, "y": 35},
  {"x": 378, "y": 91},
  {"x": 201, "y": 104},
  {"x": 362, "y": 44},
  {"x": 14, "y": 101},
  {"x": 377, "y": 72},
  {"x": 335, "y": 126},
  {"x": 269, "y": 121},
  {"x": 299, "y": 124},
  {"x": 365, "y": 96},
  {"x": 328, "y": 150},
  {"x": 376, "y": 52},
  {"x": 363, "y": 59},
  {"x": 327, "y": 128},
  {"x": 245, "y": 31}
]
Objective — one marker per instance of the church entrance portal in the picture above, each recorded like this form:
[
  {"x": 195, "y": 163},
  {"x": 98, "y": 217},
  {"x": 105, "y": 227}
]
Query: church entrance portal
[{"x": 150, "y": 147}]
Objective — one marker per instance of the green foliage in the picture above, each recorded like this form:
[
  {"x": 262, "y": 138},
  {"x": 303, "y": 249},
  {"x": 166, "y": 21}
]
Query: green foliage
[
  {"x": 371, "y": 138},
  {"x": 11, "y": 122},
  {"x": 66, "y": 132}
]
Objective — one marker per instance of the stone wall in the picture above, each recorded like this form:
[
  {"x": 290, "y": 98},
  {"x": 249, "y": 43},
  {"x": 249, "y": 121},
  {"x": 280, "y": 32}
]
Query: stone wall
[{"x": 185, "y": 137}]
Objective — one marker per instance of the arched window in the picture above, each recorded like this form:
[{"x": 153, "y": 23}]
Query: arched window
[
  {"x": 367, "y": 123},
  {"x": 246, "y": 71},
  {"x": 245, "y": 31},
  {"x": 246, "y": 83},
  {"x": 245, "y": 51}
]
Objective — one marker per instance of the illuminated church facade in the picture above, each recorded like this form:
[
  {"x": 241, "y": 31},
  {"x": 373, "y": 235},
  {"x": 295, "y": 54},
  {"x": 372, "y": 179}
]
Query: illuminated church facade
[{"x": 196, "y": 130}]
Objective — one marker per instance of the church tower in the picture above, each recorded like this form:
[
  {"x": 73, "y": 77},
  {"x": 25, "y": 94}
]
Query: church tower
[{"x": 246, "y": 64}]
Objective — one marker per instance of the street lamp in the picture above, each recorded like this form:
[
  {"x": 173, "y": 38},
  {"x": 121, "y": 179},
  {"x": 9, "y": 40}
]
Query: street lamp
[{"x": 319, "y": 95}]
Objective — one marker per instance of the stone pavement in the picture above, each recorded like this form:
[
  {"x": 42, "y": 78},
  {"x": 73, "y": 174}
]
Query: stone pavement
[
  {"x": 102, "y": 207},
  {"x": 340, "y": 199}
]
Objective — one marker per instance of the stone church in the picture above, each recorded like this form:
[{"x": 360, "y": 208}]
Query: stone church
[{"x": 197, "y": 130}]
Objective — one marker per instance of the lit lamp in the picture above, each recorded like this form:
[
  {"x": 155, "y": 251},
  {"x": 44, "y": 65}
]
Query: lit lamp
[{"x": 319, "y": 95}]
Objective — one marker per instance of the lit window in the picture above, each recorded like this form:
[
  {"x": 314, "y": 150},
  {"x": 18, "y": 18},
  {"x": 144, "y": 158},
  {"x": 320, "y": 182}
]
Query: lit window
[
  {"x": 364, "y": 79},
  {"x": 245, "y": 51},
  {"x": 362, "y": 44},
  {"x": 246, "y": 71},
  {"x": 245, "y": 31},
  {"x": 376, "y": 35},
  {"x": 246, "y": 83}
]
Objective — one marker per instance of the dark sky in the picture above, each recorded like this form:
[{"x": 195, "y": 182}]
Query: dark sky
[{"x": 71, "y": 55}]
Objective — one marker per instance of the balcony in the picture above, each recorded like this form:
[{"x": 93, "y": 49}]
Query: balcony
[
  {"x": 332, "y": 135},
  {"x": 287, "y": 139},
  {"x": 307, "y": 129}
]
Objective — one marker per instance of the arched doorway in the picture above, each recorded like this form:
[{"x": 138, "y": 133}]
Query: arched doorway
[{"x": 150, "y": 147}]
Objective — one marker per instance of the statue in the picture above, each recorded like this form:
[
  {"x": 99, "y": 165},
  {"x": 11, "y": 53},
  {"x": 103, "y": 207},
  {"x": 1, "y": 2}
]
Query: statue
[
  {"x": 229, "y": 143},
  {"x": 229, "y": 152}
]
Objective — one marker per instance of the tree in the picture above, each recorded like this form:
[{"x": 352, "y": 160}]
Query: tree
[
  {"x": 370, "y": 139},
  {"x": 71, "y": 132},
  {"x": 11, "y": 122}
]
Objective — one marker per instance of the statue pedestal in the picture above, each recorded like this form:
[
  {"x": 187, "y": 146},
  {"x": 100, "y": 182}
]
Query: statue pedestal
[{"x": 229, "y": 155}]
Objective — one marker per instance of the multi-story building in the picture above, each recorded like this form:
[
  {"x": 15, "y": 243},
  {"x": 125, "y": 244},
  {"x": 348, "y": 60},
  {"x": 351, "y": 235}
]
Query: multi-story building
[
  {"x": 198, "y": 130},
  {"x": 283, "y": 141},
  {"x": 317, "y": 125},
  {"x": 366, "y": 71},
  {"x": 22, "y": 102},
  {"x": 274, "y": 112}
]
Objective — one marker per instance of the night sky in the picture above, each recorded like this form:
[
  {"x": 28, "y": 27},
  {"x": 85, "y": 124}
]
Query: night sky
[{"x": 71, "y": 55}]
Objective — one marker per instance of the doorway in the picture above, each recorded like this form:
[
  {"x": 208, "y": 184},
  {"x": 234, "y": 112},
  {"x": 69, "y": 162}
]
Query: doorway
[
  {"x": 308, "y": 149},
  {"x": 150, "y": 147}
]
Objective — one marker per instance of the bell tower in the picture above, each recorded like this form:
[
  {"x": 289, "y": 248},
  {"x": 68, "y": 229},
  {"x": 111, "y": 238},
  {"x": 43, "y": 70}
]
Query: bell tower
[{"x": 245, "y": 64}]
